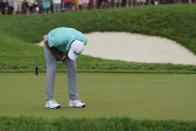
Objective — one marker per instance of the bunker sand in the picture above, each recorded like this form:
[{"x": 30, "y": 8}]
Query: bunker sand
[{"x": 137, "y": 48}]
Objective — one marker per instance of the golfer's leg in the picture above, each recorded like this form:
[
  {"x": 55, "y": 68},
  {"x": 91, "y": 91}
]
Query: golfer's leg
[
  {"x": 71, "y": 78},
  {"x": 51, "y": 73}
]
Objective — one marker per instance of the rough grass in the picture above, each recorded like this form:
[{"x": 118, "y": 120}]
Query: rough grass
[{"x": 99, "y": 124}]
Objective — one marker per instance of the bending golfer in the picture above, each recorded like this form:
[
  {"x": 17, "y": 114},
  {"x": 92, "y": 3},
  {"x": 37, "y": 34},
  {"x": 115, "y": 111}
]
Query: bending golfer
[{"x": 63, "y": 44}]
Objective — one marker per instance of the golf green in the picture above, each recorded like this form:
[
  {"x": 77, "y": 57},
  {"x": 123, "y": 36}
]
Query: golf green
[{"x": 141, "y": 96}]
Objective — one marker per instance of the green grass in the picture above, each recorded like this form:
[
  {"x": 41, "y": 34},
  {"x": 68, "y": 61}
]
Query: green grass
[
  {"x": 100, "y": 124},
  {"x": 139, "y": 96},
  {"x": 115, "y": 101},
  {"x": 18, "y": 33}
]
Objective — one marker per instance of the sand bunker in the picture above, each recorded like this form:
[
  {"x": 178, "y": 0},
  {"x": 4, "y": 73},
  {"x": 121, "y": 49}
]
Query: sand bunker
[{"x": 137, "y": 48}]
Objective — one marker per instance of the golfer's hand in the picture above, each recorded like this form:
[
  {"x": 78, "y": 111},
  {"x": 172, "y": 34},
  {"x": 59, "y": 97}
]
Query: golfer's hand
[
  {"x": 63, "y": 56},
  {"x": 59, "y": 58}
]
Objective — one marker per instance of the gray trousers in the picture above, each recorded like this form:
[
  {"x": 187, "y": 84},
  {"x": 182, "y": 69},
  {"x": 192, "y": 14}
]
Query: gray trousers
[{"x": 51, "y": 73}]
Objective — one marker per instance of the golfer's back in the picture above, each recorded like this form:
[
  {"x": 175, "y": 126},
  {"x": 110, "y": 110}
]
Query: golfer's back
[{"x": 63, "y": 36}]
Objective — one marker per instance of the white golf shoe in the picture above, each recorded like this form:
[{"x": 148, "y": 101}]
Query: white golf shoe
[
  {"x": 76, "y": 103},
  {"x": 52, "y": 104}
]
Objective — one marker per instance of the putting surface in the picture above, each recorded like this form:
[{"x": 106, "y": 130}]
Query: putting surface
[{"x": 141, "y": 96}]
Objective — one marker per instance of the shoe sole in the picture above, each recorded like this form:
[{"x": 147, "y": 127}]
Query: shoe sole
[
  {"x": 78, "y": 107},
  {"x": 54, "y": 107}
]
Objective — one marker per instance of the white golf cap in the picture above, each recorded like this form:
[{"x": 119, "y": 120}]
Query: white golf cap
[{"x": 76, "y": 48}]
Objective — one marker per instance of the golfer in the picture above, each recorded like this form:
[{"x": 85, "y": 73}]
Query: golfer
[{"x": 63, "y": 44}]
